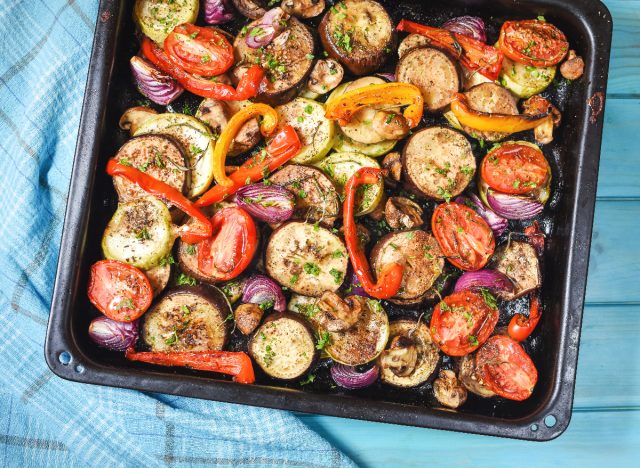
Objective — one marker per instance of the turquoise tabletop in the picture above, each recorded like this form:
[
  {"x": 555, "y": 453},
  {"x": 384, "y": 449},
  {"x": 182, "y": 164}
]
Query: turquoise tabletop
[{"x": 605, "y": 427}]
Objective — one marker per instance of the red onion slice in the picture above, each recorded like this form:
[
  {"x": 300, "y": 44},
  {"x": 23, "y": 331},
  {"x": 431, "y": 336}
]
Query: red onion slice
[
  {"x": 348, "y": 377},
  {"x": 218, "y": 11},
  {"x": 498, "y": 223},
  {"x": 512, "y": 206},
  {"x": 116, "y": 336},
  {"x": 260, "y": 289},
  {"x": 490, "y": 279},
  {"x": 272, "y": 23},
  {"x": 472, "y": 26},
  {"x": 391, "y": 77},
  {"x": 272, "y": 204},
  {"x": 153, "y": 83},
  {"x": 356, "y": 287}
]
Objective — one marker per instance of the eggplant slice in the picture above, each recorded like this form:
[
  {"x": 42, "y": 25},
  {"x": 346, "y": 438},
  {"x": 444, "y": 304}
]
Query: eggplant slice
[
  {"x": 159, "y": 277},
  {"x": 217, "y": 114},
  {"x": 190, "y": 318},
  {"x": 253, "y": 9},
  {"x": 438, "y": 162},
  {"x": 187, "y": 256},
  {"x": 428, "y": 354},
  {"x": 363, "y": 342},
  {"x": 283, "y": 346},
  {"x": 493, "y": 99},
  {"x": 316, "y": 196},
  {"x": 433, "y": 72},
  {"x": 519, "y": 261},
  {"x": 156, "y": 155},
  {"x": 288, "y": 61},
  {"x": 359, "y": 34},
  {"x": 420, "y": 254},
  {"x": 411, "y": 42},
  {"x": 466, "y": 366},
  {"x": 306, "y": 258}
]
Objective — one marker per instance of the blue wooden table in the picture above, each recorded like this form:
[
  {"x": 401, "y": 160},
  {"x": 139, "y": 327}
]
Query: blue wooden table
[{"x": 605, "y": 427}]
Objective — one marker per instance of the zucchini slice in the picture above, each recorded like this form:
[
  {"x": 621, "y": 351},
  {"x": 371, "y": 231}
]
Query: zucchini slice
[
  {"x": 196, "y": 140},
  {"x": 315, "y": 131},
  {"x": 284, "y": 346},
  {"x": 190, "y": 318},
  {"x": 524, "y": 80},
  {"x": 344, "y": 144},
  {"x": 340, "y": 166},
  {"x": 363, "y": 342},
  {"x": 139, "y": 233},
  {"x": 428, "y": 354},
  {"x": 157, "y": 18}
]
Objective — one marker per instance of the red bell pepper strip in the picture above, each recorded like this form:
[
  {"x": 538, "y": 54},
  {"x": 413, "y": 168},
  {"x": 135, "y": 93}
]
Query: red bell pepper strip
[
  {"x": 520, "y": 326},
  {"x": 473, "y": 54},
  {"x": 284, "y": 146},
  {"x": 248, "y": 87},
  {"x": 237, "y": 364},
  {"x": 190, "y": 233},
  {"x": 390, "y": 277}
]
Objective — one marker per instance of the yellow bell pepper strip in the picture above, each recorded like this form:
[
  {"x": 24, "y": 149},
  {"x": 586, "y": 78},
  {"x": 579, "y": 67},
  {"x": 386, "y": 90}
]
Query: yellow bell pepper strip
[
  {"x": 343, "y": 107},
  {"x": 267, "y": 127},
  {"x": 485, "y": 122}
]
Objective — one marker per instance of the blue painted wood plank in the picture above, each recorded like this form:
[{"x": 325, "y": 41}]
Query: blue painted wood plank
[
  {"x": 625, "y": 64},
  {"x": 614, "y": 267},
  {"x": 619, "y": 174},
  {"x": 593, "y": 439}
]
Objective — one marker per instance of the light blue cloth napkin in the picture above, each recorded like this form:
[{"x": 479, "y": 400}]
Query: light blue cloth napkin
[{"x": 46, "y": 421}]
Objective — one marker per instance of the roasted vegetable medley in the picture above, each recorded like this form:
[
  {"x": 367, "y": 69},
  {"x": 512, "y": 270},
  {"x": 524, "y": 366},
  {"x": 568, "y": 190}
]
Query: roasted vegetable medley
[{"x": 267, "y": 235}]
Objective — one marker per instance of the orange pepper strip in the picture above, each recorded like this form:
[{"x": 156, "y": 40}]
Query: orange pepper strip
[
  {"x": 485, "y": 122},
  {"x": 390, "y": 277},
  {"x": 343, "y": 107},
  {"x": 237, "y": 364},
  {"x": 267, "y": 127}
]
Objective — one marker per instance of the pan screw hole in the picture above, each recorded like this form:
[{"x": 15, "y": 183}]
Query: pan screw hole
[
  {"x": 79, "y": 368},
  {"x": 534, "y": 427},
  {"x": 550, "y": 421},
  {"x": 64, "y": 358}
]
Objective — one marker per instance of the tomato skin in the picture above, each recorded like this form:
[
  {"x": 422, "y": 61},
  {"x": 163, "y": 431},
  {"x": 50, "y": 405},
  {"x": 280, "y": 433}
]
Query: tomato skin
[
  {"x": 119, "y": 290},
  {"x": 462, "y": 322},
  {"x": 515, "y": 168},
  {"x": 464, "y": 236},
  {"x": 506, "y": 369},
  {"x": 533, "y": 42},
  {"x": 231, "y": 248},
  {"x": 199, "y": 50}
]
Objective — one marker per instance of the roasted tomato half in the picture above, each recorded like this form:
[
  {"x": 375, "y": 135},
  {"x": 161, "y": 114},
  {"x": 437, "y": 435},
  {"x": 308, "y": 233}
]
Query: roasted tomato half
[
  {"x": 515, "y": 168},
  {"x": 464, "y": 236},
  {"x": 533, "y": 42},
  {"x": 203, "y": 51},
  {"x": 120, "y": 291}
]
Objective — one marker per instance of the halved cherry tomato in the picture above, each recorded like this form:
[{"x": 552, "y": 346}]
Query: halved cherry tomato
[
  {"x": 462, "y": 322},
  {"x": 521, "y": 326},
  {"x": 195, "y": 49},
  {"x": 504, "y": 367},
  {"x": 120, "y": 291},
  {"x": 533, "y": 42},
  {"x": 230, "y": 250},
  {"x": 465, "y": 238},
  {"x": 515, "y": 168}
]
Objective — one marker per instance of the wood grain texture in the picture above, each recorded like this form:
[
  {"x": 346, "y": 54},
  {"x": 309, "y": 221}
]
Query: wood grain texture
[{"x": 625, "y": 66}]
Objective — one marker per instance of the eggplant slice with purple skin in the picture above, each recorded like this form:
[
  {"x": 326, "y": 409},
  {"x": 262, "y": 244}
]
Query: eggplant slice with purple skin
[
  {"x": 359, "y": 34},
  {"x": 519, "y": 262},
  {"x": 493, "y": 99},
  {"x": 284, "y": 346},
  {"x": 252, "y": 9},
  {"x": 189, "y": 318}
]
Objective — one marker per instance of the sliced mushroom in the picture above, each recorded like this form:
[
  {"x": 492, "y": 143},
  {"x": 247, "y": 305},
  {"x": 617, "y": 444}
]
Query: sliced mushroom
[
  {"x": 573, "y": 67},
  {"x": 134, "y": 117},
  {"x": 217, "y": 115},
  {"x": 393, "y": 163},
  {"x": 253, "y": 9},
  {"x": 401, "y": 357},
  {"x": 448, "y": 390},
  {"x": 337, "y": 314},
  {"x": 402, "y": 213},
  {"x": 389, "y": 125},
  {"x": 325, "y": 76},
  {"x": 537, "y": 105},
  {"x": 248, "y": 317},
  {"x": 303, "y": 8}
]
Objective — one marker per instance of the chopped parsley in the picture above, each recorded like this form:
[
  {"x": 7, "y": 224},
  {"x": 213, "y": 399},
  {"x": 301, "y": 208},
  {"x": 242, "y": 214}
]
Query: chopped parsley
[
  {"x": 473, "y": 341},
  {"x": 268, "y": 355},
  {"x": 168, "y": 260},
  {"x": 185, "y": 279},
  {"x": 308, "y": 109},
  {"x": 307, "y": 380},
  {"x": 323, "y": 340},
  {"x": 294, "y": 279},
  {"x": 143, "y": 234},
  {"x": 337, "y": 275},
  {"x": 489, "y": 299},
  {"x": 126, "y": 303},
  {"x": 311, "y": 269},
  {"x": 191, "y": 249}
]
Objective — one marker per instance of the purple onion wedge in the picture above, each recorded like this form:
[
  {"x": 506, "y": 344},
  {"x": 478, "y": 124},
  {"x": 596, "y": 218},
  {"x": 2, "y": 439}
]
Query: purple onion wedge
[
  {"x": 271, "y": 24},
  {"x": 218, "y": 11},
  {"x": 472, "y": 26},
  {"x": 348, "y": 377},
  {"x": 116, "y": 336},
  {"x": 512, "y": 206},
  {"x": 260, "y": 289},
  {"x": 490, "y": 279},
  {"x": 497, "y": 223},
  {"x": 390, "y": 77},
  {"x": 153, "y": 83},
  {"x": 356, "y": 287},
  {"x": 272, "y": 204}
]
